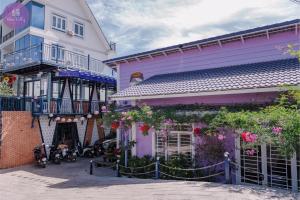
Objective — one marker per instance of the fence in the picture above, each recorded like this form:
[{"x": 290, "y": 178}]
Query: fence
[
  {"x": 52, "y": 55},
  {"x": 157, "y": 170},
  {"x": 229, "y": 171}
]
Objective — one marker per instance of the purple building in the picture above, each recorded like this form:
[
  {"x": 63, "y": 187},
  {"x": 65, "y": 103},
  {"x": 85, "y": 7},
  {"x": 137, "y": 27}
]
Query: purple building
[{"x": 246, "y": 67}]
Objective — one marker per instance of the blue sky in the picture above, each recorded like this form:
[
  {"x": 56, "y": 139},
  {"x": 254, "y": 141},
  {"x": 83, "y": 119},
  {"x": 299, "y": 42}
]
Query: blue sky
[{"x": 140, "y": 25}]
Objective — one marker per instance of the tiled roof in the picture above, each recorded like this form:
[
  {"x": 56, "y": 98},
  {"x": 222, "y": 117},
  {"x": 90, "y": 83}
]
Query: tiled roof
[
  {"x": 247, "y": 76},
  {"x": 207, "y": 40}
]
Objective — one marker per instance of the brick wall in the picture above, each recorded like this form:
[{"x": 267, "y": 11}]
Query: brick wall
[{"x": 18, "y": 139}]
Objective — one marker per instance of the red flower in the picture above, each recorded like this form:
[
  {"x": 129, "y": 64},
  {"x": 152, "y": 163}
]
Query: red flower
[
  {"x": 197, "y": 131},
  {"x": 249, "y": 137},
  {"x": 144, "y": 129},
  {"x": 115, "y": 125},
  {"x": 117, "y": 152}
]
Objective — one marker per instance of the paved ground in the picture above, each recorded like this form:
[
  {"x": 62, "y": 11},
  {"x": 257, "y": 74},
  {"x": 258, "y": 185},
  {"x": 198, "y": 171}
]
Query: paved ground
[{"x": 72, "y": 181}]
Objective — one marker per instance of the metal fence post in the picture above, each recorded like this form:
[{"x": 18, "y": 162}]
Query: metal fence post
[
  {"x": 91, "y": 167},
  {"x": 118, "y": 168},
  {"x": 227, "y": 167},
  {"x": 157, "y": 173}
]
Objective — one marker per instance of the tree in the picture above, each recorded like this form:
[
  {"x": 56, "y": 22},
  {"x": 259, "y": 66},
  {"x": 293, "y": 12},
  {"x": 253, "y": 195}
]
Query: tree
[{"x": 5, "y": 89}]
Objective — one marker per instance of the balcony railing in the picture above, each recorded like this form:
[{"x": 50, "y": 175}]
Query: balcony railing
[
  {"x": 41, "y": 106},
  {"x": 53, "y": 55}
]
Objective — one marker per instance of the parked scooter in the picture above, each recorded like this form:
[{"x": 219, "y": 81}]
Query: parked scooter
[
  {"x": 98, "y": 148},
  {"x": 55, "y": 155},
  {"x": 88, "y": 152},
  {"x": 40, "y": 156},
  {"x": 71, "y": 155},
  {"x": 67, "y": 154}
]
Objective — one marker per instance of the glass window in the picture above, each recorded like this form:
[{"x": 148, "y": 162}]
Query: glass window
[
  {"x": 27, "y": 41},
  {"x": 37, "y": 15},
  {"x": 53, "y": 21},
  {"x": 58, "y": 23},
  {"x": 36, "y": 40},
  {"x": 57, "y": 52},
  {"x": 78, "y": 29}
]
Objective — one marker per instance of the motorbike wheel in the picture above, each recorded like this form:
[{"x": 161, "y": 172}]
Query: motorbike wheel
[{"x": 57, "y": 161}]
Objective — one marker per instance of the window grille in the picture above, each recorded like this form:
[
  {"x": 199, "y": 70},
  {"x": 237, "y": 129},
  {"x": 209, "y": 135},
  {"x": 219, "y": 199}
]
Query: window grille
[{"x": 179, "y": 141}]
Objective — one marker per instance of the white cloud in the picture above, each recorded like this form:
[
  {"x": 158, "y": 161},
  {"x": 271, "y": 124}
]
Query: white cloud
[{"x": 138, "y": 25}]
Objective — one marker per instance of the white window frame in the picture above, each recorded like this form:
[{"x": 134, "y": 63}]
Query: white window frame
[
  {"x": 59, "y": 52},
  {"x": 80, "y": 25},
  {"x": 61, "y": 18},
  {"x": 178, "y": 134}
]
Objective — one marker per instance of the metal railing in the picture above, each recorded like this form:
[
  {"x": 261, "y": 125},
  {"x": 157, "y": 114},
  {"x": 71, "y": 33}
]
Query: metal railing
[
  {"x": 41, "y": 105},
  {"x": 52, "y": 55}
]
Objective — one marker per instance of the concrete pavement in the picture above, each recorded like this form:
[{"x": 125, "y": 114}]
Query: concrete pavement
[{"x": 72, "y": 181}]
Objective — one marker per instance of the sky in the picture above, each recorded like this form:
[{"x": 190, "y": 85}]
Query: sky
[{"x": 141, "y": 25}]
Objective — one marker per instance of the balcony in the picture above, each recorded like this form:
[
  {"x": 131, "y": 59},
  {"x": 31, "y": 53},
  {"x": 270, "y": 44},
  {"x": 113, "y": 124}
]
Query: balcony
[
  {"x": 39, "y": 106},
  {"x": 51, "y": 56}
]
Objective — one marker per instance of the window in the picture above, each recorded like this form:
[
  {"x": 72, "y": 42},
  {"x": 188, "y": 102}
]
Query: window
[
  {"x": 59, "y": 23},
  {"x": 37, "y": 15},
  {"x": 57, "y": 52},
  {"x": 178, "y": 142},
  {"x": 78, "y": 29},
  {"x": 28, "y": 41}
]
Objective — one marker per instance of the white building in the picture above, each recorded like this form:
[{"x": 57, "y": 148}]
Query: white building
[
  {"x": 57, "y": 58},
  {"x": 70, "y": 25}
]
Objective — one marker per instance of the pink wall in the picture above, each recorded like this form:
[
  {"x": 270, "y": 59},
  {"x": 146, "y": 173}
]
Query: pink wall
[
  {"x": 253, "y": 50},
  {"x": 256, "y": 98}
]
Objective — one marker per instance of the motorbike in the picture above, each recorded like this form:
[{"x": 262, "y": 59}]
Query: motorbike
[
  {"x": 71, "y": 155},
  {"x": 55, "y": 155},
  {"x": 88, "y": 152},
  {"x": 40, "y": 156},
  {"x": 68, "y": 155},
  {"x": 98, "y": 149}
]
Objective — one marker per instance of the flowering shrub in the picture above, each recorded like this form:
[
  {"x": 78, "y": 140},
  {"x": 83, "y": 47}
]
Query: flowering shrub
[
  {"x": 249, "y": 137},
  {"x": 197, "y": 132},
  {"x": 278, "y": 124},
  {"x": 144, "y": 129},
  {"x": 115, "y": 125}
]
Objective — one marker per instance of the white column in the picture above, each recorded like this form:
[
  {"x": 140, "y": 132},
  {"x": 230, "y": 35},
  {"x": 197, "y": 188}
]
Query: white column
[
  {"x": 264, "y": 164},
  {"x": 118, "y": 138},
  {"x": 238, "y": 159},
  {"x": 193, "y": 145},
  {"x": 133, "y": 138},
  {"x": 153, "y": 144},
  {"x": 294, "y": 173}
]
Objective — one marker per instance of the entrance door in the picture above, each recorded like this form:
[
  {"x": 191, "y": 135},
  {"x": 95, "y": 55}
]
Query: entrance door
[{"x": 66, "y": 133}]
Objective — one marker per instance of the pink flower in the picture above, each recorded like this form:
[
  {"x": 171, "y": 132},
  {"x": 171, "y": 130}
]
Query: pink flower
[
  {"x": 277, "y": 130},
  {"x": 129, "y": 118},
  {"x": 103, "y": 108},
  {"x": 168, "y": 122},
  {"x": 250, "y": 152},
  {"x": 221, "y": 137}
]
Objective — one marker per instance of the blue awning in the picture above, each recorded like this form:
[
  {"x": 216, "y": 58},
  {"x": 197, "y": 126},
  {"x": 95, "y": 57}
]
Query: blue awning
[{"x": 87, "y": 76}]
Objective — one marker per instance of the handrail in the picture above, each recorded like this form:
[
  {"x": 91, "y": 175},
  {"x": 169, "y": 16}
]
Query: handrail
[
  {"x": 41, "y": 105},
  {"x": 61, "y": 57}
]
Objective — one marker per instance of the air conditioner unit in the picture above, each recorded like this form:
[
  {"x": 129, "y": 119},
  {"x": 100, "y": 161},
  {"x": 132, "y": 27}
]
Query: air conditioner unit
[{"x": 70, "y": 33}]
